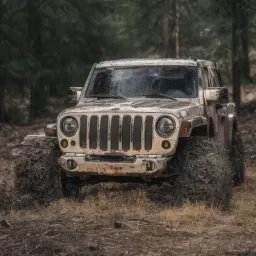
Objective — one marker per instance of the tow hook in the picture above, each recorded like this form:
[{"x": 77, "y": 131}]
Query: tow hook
[{"x": 71, "y": 164}]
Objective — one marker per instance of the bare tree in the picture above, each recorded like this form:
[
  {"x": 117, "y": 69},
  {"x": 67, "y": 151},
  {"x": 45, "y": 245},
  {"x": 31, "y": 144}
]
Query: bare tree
[
  {"x": 236, "y": 73},
  {"x": 244, "y": 24},
  {"x": 35, "y": 41},
  {"x": 177, "y": 30},
  {"x": 166, "y": 30},
  {"x": 2, "y": 80}
]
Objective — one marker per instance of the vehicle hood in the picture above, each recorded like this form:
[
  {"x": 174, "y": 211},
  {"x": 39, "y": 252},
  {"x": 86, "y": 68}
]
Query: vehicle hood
[{"x": 149, "y": 105}]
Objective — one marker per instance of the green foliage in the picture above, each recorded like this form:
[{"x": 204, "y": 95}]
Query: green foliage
[{"x": 54, "y": 45}]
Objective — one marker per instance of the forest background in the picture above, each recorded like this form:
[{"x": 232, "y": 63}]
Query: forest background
[{"x": 48, "y": 45}]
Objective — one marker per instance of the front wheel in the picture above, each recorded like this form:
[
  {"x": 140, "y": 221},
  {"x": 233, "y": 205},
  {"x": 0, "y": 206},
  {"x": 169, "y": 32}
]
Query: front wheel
[
  {"x": 205, "y": 173},
  {"x": 37, "y": 169}
]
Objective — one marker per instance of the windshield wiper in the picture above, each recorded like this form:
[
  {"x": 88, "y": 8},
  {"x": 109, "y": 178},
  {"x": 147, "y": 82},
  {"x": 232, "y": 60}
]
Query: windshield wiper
[
  {"x": 158, "y": 95},
  {"x": 106, "y": 95}
]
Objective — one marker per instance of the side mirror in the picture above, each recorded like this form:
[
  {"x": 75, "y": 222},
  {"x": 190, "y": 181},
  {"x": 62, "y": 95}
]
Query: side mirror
[
  {"x": 74, "y": 94},
  {"x": 51, "y": 130},
  {"x": 215, "y": 95}
]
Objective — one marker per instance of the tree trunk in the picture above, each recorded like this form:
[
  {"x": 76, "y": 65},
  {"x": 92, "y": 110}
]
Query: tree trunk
[
  {"x": 35, "y": 41},
  {"x": 2, "y": 91},
  {"x": 236, "y": 76},
  {"x": 245, "y": 43},
  {"x": 34, "y": 27},
  {"x": 166, "y": 31},
  {"x": 177, "y": 30},
  {"x": 2, "y": 80}
]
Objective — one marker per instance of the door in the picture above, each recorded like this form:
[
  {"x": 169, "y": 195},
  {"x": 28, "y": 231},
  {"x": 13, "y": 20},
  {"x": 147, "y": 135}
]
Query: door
[{"x": 218, "y": 112}]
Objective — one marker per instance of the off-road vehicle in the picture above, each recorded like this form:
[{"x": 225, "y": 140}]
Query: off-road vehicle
[{"x": 166, "y": 119}]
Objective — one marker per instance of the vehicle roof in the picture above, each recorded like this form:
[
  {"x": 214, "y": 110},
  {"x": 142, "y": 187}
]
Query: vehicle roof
[{"x": 154, "y": 62}]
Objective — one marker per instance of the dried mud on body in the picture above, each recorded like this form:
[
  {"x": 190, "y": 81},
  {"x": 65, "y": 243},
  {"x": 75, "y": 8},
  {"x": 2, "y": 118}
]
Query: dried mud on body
[{"x": 121, "y": 219}]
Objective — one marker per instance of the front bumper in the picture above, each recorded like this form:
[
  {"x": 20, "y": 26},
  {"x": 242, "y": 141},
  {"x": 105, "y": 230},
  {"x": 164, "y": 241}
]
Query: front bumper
[{"x": 141, "y": 166}]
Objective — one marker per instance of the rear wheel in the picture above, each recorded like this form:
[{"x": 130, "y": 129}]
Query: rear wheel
[{"x": 237, "y": 158}]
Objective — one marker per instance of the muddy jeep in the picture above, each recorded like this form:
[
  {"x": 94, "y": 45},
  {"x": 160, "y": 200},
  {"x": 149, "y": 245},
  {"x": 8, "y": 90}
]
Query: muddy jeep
[{"x": 167, "y": 119}]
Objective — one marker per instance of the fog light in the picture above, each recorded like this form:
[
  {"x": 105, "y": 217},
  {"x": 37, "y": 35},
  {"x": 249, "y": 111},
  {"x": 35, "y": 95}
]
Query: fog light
[
  {"x": 64, "y": 143},
  {"x": 71, "y": 164},
  {"x": 166, "y": 144},
  {"x": 73, "y": 143}
]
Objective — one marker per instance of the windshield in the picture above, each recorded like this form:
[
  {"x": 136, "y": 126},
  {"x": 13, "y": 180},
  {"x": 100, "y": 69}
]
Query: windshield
[{"x": 134, "y": 82}]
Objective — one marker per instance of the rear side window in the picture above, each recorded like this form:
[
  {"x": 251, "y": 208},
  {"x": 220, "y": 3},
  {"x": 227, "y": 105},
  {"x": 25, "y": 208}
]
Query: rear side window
[
  {"x": 213, "y": 77},
  {"x": 207, "y": 77}
]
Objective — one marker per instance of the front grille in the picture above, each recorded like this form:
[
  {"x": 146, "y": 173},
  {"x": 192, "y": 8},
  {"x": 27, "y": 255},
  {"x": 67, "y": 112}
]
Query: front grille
[{"x": 116, "y": 133}]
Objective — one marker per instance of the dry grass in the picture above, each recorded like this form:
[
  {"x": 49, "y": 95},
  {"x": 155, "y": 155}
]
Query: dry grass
[
  {"x": 123, "y": 205},
  {"x": 128, "y": 223},
  {"x": 127, "y": 205},
  {"x": 190, "y": 215},
  {"x": 117, "y": 221}
]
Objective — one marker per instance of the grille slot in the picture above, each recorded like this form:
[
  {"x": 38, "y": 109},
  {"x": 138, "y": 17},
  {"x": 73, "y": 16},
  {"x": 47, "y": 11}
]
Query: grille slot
[
  {"x": 137, "y": 132},
  {"x": 126, "y": 133},
  {"x": 93, "y": 133},
  {"x": 148, "y": 132},
  {"x": 104, "y": 133},
  {"x": 83, "y": 132},
  {"x": 115, "y": 133}
]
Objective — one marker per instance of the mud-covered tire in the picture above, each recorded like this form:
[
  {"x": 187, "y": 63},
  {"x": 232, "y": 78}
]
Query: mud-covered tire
[
  {"x": 37, "y": 169},
  {"x": 236, "y": 155},
  {"x": 205, "y": 173}
]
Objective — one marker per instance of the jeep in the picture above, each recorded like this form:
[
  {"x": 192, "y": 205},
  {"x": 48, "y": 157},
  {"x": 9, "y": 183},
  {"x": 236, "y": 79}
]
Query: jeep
[{"x": 152, "y": 119}]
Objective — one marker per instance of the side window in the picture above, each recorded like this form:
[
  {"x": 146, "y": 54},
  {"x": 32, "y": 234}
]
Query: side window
[
  {"x": 214, "y": 77},
  {"x": 220, "y": 79},
  {"x": 207, "y": 77}
]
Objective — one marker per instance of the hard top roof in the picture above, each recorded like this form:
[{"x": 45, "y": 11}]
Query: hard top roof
[{"x": 154, "y": 62}]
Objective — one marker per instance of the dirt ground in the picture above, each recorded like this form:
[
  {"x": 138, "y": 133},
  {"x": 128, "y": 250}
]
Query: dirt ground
[{"x": 124, "y": 219}]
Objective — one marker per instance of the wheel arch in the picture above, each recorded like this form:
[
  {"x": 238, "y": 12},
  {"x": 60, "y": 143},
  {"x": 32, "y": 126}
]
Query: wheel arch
[{"x": 199, "y": 126}]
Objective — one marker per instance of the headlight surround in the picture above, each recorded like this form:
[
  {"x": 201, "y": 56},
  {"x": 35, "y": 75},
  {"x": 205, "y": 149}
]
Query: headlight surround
[
  {"x": 69, "y": 126},
  {"x": 165, "y": 126}
]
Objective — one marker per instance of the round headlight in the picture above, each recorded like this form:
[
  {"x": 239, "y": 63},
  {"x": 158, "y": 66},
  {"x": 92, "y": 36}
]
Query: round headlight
[
  {"x": 165, "y": 127},
  {"x": 69, "y": 126}
]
